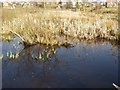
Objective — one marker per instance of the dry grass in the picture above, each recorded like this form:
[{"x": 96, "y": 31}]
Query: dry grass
[{"x": 53, "y": 27}]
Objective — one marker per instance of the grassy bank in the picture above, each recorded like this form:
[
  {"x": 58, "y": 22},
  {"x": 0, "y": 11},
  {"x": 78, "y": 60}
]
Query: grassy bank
[{"x": 53, "y": 27}]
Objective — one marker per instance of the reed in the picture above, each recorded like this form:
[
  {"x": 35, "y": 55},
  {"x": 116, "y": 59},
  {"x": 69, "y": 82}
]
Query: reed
[{"x": 55, "y": 27}]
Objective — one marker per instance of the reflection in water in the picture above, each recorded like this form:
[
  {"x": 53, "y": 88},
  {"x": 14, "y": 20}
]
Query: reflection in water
[{"x": 87, "y": 64}]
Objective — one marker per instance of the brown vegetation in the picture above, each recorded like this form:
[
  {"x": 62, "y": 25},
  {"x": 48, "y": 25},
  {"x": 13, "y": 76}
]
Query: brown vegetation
[{"x": 55, "y": 27}]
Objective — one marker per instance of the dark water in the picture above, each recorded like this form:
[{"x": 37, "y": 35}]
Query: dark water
[{"x": 86, "y": 65}]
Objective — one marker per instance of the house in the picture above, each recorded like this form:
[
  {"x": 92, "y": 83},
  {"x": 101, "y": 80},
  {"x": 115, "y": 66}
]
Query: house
[
  {"x": 6, "y": 4},
  {"x": 109, "y": 3},
  {"x": 112, "y": 3},
  {"x": 9, "y": 5}
]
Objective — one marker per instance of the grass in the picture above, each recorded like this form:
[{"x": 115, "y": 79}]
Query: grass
[{"x": 55, "y": 27}]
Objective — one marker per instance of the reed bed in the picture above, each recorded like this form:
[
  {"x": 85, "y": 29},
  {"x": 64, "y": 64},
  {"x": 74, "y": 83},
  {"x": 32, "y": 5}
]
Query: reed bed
[{"x": 55, "y": 27}]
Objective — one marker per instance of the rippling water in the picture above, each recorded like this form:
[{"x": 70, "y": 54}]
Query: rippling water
[{"x": 84, "y": 65}]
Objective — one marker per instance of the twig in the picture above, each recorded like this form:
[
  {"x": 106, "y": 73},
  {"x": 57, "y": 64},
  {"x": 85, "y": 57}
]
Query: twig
[
  {"x": 18, "y": 35},
  {"x": 26, "y": 44}
]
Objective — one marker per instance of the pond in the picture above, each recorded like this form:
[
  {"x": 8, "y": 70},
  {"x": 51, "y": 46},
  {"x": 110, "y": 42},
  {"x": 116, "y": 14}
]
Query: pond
[{"x": 81, "y": 65}]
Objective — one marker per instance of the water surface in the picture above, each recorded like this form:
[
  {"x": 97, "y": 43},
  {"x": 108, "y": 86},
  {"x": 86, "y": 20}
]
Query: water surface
[{"x": 84, "y": 65}]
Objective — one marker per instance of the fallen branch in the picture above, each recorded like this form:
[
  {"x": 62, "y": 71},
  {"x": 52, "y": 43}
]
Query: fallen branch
[
  {"x": 18, "y": 35},
  {"x": 26, "y": 44}
]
